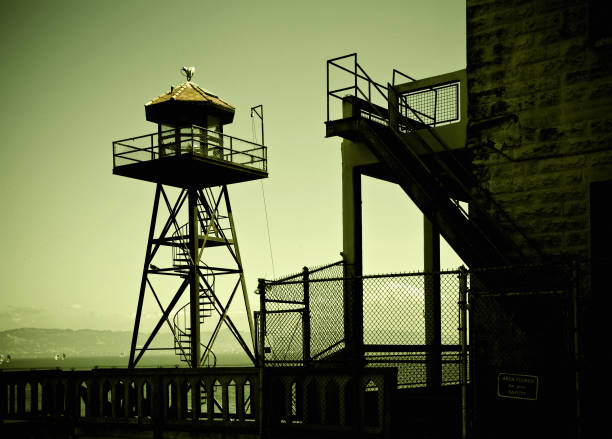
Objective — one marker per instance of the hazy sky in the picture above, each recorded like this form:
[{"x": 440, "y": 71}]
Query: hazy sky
[{"x": 75, "y": 76}]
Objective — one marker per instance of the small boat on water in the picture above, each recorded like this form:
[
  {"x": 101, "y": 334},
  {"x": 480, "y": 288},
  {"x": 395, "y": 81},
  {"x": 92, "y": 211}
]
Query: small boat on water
[{"x": 60, "y": 357}]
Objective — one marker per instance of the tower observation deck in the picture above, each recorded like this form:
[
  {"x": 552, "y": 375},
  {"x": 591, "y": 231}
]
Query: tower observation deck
[
  {"x": 189, "y": 148},
  {"x": 190, "y": 151}
]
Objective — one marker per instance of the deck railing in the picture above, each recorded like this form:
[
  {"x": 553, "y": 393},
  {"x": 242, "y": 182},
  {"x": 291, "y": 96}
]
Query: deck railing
[
  {"x": 326, "y": 399},
  {"x": 209, "y": 399},
  {"x": 193, "y": 140},
  {"x": 222, "y": 396}
]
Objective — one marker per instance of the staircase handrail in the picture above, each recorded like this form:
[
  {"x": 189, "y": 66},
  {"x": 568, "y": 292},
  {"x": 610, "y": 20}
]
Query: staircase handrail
[
  {"x": 177, "y": 327},
  {"x": 475, "y": 184},
  {"x": 467, "y": 190}
]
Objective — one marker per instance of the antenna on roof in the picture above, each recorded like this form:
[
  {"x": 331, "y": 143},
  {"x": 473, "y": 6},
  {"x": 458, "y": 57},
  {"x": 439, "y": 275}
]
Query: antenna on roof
[{"x": 188, "y": 72}]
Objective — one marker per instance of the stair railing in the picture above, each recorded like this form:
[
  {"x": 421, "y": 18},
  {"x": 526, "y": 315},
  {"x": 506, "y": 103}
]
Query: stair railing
[
  {"x": 182, "y": 334},
  {"x": 473, "y": 184},
  {"x": 359, "y": 73}
]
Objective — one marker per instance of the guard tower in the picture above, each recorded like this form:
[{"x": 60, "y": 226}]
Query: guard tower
[{"x": 189, "y": 151}]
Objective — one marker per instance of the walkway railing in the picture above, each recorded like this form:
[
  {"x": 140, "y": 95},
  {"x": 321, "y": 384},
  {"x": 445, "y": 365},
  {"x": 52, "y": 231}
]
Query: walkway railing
[
  {"x": 431, "y": 106},
  {"x": 195, "y": 140}
]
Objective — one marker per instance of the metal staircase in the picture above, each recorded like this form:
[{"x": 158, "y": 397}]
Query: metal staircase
[
  {"x": 182, "y": 331},
  {"x": 181, "y": 261},
  {"x": 434, "y": 176}
]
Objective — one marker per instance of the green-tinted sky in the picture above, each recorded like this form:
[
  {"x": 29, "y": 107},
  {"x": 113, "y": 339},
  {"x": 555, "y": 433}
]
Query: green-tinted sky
[{"x": 75, "y": 76}]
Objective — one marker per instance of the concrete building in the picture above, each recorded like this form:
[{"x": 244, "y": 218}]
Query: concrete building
[{"x": 540, "y": 97}]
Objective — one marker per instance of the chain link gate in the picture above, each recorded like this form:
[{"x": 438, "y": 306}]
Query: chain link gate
[{"x": 523, "y": 351}]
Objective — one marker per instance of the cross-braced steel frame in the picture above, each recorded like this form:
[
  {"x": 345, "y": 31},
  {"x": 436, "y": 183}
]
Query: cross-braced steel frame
[{"x": 209, "y": 224}]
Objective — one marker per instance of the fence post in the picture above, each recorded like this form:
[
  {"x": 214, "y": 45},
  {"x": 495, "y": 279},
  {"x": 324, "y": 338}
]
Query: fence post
[
  {"x": 306, "y": 319},
  {"x": 433, "y": 305},
  {"x": 261, "y": 287},
  {"x": 463, "y": 307}
]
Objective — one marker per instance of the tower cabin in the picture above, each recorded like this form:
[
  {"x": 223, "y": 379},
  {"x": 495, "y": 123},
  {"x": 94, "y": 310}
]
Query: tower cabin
[{"x": 189, "y": 149}]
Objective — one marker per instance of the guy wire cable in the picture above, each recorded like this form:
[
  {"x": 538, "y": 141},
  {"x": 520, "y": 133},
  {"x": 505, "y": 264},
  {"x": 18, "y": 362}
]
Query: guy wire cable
[{"x": 263, "y": 195}]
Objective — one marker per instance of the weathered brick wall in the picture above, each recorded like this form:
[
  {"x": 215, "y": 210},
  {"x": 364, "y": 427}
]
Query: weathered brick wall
[{"x": 540, "y": 114}]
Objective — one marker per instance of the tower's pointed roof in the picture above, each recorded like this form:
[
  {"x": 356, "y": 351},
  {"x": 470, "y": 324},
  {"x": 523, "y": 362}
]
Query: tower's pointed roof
[
  {"x": 188, "y": 103},
  {"x": 190, "y": 92}
]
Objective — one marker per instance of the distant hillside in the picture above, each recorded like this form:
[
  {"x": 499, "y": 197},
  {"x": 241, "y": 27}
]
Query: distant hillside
[{"x": 35, "y": 342}]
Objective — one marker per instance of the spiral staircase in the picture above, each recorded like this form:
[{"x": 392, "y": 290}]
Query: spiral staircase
[{"x": 181, "y": 262}]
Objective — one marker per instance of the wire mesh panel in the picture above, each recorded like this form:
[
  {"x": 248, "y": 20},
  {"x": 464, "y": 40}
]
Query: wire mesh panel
[
  {"x": 289, "y": 291},
  {"x": 326, "y": 317},
  {"x": 410, "y": 321},
  {"x": 394, "y": 310},
  {"x": 432, "y": 106},
  {"x": 304, "y": 316},
  {"x": 284, "y": 338},
  {"x": 449, "y": 311}
]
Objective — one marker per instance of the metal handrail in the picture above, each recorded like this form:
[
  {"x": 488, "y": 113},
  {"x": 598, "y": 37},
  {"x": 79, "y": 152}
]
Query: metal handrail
[
  {"x": 182, "y": 311},
  {"x": 196, "y": 140},
  {"x": 430, "y": 128},
  {"x": 402, "y": 74}
]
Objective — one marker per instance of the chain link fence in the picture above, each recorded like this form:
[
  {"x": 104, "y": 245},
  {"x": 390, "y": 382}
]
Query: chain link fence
[
  {"x": 410, "y": 321},
  {"x": 304, "y": 316},
  {"x": 519, "y": 342},
  {"x": 415, "y": 318}
]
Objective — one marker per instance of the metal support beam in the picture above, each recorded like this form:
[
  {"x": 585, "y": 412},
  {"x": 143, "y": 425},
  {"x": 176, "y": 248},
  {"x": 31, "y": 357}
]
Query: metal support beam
[
  {"x": 161, "y": 321},
  {"x": 306, "y": 319},
  {"x": 194, "y": 282},
  {"x": 206, "y": 218},
  {"x": 143, "y": 283},
  {"x": 433, "y": 334},
  {"x": 236, "y": 252},
  {"x": 352, "y": 252}
]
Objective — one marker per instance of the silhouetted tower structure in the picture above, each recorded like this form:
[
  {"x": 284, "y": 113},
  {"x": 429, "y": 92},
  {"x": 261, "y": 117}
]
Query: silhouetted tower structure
[{"x": 189, "y": 151}]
